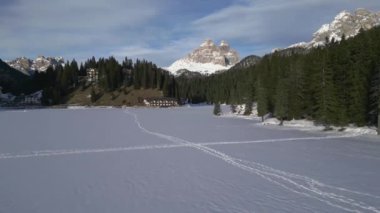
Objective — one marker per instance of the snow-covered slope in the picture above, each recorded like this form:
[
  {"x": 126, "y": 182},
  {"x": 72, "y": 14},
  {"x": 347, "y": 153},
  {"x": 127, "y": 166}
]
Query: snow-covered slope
[
  {"x": 203, "y": 68},
  {"x": 40, "y": 64},
  {"x": 207, "y": 59},
  {"x": 345, "y": 23}
]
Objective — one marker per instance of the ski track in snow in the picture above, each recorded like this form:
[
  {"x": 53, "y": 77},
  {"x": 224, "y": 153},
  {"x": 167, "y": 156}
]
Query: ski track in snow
[
  {"x": 295, "y": 183},
  {"x": 50, "y": 153}
]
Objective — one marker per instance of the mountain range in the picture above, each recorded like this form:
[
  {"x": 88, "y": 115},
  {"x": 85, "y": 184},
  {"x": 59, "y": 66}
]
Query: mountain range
[
  {"x": 40, "y": 64},
  {"x": 344, "y": 24},
  {"x": 208, "y": 58}
]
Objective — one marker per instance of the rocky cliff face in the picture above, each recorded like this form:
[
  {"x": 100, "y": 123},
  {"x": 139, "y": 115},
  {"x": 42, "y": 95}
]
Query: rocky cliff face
[
  {"x": 40, "y": 64},
  {"x": 207, "y": 59},
  {"x": 345, "y": 23},
  {"x": 208, "y": 52}
]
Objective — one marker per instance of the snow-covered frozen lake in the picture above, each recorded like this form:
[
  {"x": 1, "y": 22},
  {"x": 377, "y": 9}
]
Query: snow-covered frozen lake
[{"x": 179, "y": 160}]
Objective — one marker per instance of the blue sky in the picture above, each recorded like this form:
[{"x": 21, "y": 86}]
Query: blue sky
[{"x": 159, "y": 30}]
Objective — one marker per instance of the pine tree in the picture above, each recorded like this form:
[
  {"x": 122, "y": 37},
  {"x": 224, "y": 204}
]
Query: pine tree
[
  {"x": 282, "y": 100},
  {"x": 374, "y": 96},
  {"x": 378, "y": 120},
  {"x": 297, "y": 89},
  {"x": 82, "y": 70},
  {"x": 326, "y": 106},
  {"x": 93, "y": 95},
  {"x": 262, "y": 101},
  {"x": 233, "y": 108},
  {"x": 248, "y": 107},
  {"x": 137, "y": 75},
  {"x": 217, "y": 110}
]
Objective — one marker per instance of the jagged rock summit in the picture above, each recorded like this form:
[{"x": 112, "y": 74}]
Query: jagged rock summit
[
  {"x": 345, "y": 23},
  {"x": 207, "y": 59},
  {"x": 40, "y": 64}
]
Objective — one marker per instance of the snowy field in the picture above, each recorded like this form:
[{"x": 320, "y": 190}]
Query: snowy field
[{"x": 179, "y": 160}]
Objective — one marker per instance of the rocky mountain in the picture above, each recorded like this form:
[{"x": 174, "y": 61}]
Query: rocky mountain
[
  {"x": 207, "y": 59},
  {"x": 345, "y": 23},
  {"x": 40, "y": 64}
]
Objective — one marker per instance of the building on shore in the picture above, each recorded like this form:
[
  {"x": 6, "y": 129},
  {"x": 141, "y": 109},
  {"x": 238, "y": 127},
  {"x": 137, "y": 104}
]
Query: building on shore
[
  {"x": 161, "y": 102},
  {"x": 92, "y": 75}
]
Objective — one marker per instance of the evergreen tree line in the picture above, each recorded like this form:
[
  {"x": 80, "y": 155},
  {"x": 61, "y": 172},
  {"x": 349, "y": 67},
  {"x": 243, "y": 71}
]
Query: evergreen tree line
[
  {"x": 336, "y": 84},
  {"x": 13, "y": 81},
  {"x": 58, "y": 82}
]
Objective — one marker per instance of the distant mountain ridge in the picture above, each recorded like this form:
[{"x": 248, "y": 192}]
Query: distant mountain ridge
[
  {"x": 345, "y": 23},
  {"x": 207, "y": 59},
  {"x": 40, "y": 64}
]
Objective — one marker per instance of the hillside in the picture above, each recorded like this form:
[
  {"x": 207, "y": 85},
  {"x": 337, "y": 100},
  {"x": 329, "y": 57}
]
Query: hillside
[
  {"x": 246, "y": 62},
  {"x": 12, "y": 80},
  {"x": 114, "y": 83},
  {"x": 124, "y": 96}
]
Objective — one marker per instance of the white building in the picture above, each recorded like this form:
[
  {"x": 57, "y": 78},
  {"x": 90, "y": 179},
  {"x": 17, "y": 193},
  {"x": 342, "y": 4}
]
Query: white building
[{"x": 92, "y": 75}]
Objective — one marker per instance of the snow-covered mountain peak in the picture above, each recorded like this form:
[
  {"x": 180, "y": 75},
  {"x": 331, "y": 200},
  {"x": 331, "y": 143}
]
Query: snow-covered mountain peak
[
  {"x": 362, "y": 12},
  {"x": 208, "y": 43},
  {"x": 208, "y": 58},
  {"x": 40, "y": 58},
  {"x": 224, "y": 43},
  {"x": 342, "y": 15},
  {"x": 40, "y": 64},
  {"x": 345, "y": 23}
]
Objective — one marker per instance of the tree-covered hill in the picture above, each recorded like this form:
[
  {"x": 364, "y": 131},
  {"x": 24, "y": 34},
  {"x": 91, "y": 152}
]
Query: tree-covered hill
[
  {"x": 335, "y": 84},
  {"x": 12, "y": 80},
  {"x": 59, "y": 83}
]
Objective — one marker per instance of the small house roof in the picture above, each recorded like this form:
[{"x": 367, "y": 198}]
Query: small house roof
[{"x": 161, "y": 99}]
